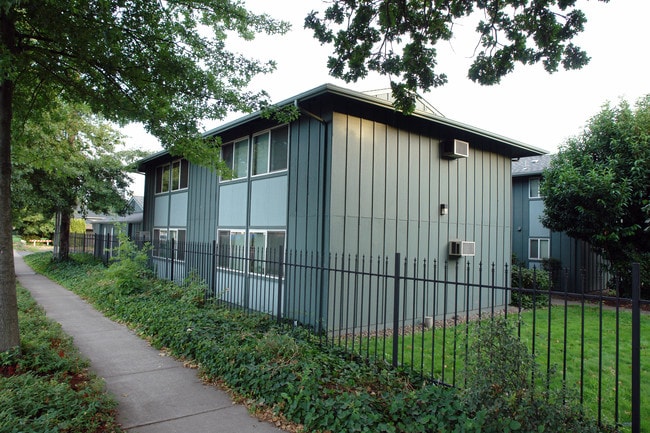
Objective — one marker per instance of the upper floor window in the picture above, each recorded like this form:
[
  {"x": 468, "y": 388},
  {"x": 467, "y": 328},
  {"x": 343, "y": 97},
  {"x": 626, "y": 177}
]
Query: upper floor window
[
  {"x": 235, "y": 155},
  {"x": 270, "y": 151},
  {"x": 533, "y": 187},
  {"x": 172, "y": 177}
]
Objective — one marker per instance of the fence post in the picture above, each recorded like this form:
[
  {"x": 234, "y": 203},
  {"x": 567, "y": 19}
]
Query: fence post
[
  {"x": 213, "y": 270},
  {"x": 171, "y": 254},
  {"x": 636, "y": 348},
  {"x": 280, "y": 281},
  {"x": 396, "y": 296}
]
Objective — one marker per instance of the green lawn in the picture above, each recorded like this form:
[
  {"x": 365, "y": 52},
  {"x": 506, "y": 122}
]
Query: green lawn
[{"x": 424, "y": 351}]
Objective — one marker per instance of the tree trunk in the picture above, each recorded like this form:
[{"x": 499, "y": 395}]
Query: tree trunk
[
  {"x": 64, "y": 235},
  {"x": 9, "y": 334}
]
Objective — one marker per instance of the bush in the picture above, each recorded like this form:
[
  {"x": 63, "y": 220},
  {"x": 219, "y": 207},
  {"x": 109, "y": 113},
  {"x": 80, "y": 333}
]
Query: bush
[
  {"x": 505, "y": 386},
  {"x": 285, "y": 373},
  {"x": 129, "y": 268},
  {"x": 528, "y": 287}
]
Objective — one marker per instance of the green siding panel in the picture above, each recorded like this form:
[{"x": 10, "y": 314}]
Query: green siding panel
[
  {"x": 203, "y": 204},
  {"x": 233, "y": 205},
  {"x": 269, "y": 202},
  {"x": 391, "y": 203}
]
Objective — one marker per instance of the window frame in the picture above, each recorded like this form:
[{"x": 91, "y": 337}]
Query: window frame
[
  {"x": 531, "y": 180},
  {"x": 172, "y": 177},
  {"x": 177, "y": 234},
  {"x": 539, "y": 253},
  {"x": 231, "y": 164},
  {"x": 271, "y": 146},
  {"x": 251, "y": 258}
]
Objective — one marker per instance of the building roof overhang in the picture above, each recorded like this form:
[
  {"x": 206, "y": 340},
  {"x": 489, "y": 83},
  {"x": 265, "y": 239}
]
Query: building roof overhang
[{"x": 358, "y": 103}]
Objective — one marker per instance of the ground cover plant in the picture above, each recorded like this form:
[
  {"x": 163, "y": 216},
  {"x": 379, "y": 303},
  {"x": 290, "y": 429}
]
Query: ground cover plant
[
  {"x": 284, "y": 373},
  {"x": 46, "y": 387}
]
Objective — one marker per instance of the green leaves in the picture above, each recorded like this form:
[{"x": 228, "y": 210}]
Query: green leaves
[
  {"x": 596, "y": 188},
  {"x": 289, "y": 373},
  {"x": 398, "y": 39},
  {"x": 161, "y": 63},
  {"x": 47, "y": 388}
]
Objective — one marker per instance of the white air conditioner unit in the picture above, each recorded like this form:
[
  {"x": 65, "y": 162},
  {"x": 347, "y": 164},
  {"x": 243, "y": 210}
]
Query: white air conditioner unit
[
  {"x": 455, "y": 149},
  {"x": 462, "y": 248}
]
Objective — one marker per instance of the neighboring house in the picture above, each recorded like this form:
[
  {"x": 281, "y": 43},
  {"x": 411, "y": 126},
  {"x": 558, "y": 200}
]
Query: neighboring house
[
  {"x": 106, "y": 225},
  {"x": 350, "y": 176},
  {"x": 532, "y": 243}
]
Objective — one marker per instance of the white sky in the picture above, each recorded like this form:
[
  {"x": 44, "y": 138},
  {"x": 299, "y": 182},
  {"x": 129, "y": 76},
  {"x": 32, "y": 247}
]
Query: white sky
[{"x": 529, "y": 105}]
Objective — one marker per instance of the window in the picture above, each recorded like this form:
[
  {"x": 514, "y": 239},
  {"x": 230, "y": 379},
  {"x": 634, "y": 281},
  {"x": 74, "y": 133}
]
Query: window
[
  {"x": 262, "y": 254},
  {"x": 162, "y": 243},
  {"x": 270, "y": 150},
  {"x": 232, "y": 244},
  {"x": 235, "y": 155},
  {"x": 539, "y": 249},
  {"x": 172, "y": 177},
  {"x": 533, "y": 187}
]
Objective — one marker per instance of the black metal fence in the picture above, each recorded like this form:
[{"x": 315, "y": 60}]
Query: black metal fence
[{"x": 419, "y": 314}]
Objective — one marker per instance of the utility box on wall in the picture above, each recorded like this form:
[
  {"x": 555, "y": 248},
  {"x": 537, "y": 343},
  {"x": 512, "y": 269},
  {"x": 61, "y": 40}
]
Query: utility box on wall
[
  {"x": 455, "y": 149},
  {"x": 462, "y": 248}
]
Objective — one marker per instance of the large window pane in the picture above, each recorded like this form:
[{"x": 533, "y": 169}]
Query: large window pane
[
  {"x": 165, "y": 179},
  {"x": 227, "y": 152},
  {"x": 260, "y": 154},
  {"x": 256, "y": 253},
  {"x": 533, "y": 187},
  {"x": 159, "y": 176},
  {"x": 179, "y": 244},
  {"x": 176, "y": 175},
  {"x": 279, "y": 145},
  {"x": 534, "y": 249},
  {"x": 544, "y": 248},
  {"x": 274, "y": 251},
  {"x": 185, "y": 166},
  {"x": 238, "y": 249},
  {"x": 224, "y": 247},
  {"x": 240, "y": 159}
]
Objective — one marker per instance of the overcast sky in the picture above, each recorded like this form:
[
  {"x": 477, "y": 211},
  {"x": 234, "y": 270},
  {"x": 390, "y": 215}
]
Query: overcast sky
[{"x": 529, "y": 105}]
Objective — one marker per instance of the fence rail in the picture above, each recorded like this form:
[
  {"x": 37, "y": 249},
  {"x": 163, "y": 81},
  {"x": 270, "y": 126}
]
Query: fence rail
[{"x": 418, "y": 314}]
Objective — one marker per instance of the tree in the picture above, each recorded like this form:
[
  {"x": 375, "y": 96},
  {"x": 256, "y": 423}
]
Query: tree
[
  {"x": 66, "y": 159},
  {"x": 597, "y": 187},
  {"x": 164, "y": 64},
  {"x": 398, "y": 38}
]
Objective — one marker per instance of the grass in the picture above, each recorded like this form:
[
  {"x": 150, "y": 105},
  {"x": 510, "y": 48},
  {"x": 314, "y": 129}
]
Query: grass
[
  {"x": 440, "y": 353},
  {"x": 46, "y": 386}
]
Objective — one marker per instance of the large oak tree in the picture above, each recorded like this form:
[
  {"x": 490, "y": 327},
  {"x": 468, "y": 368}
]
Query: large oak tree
[{"x": 162, "y": 63}]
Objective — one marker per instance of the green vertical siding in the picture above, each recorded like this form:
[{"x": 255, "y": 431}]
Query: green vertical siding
[
  {"x": 308, "y": 161},
  {"x": 387, "y": 187},
  {"x": 203, "y": 204}
]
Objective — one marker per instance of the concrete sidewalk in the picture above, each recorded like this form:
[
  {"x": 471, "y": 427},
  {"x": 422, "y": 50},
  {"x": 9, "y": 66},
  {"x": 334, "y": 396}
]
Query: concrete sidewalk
[{"x": 155, "y": 393}]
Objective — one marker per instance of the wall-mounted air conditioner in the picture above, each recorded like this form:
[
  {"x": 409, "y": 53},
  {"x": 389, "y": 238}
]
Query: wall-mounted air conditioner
[
  {"x": 455, "y": 149},
  {"x": 462, "y": 248}
]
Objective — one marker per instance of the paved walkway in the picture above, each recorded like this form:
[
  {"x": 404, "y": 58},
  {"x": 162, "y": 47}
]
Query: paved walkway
[{"x": 155, "y": 393}]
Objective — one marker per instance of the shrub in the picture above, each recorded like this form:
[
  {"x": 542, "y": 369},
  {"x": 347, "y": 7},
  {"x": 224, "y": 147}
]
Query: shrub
[
  {"x": 129, "y": 268},
  {"x": 288, "y": 374},
  {"x": 504, "y": 385},
  {"x": 534, "y": 283}
]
